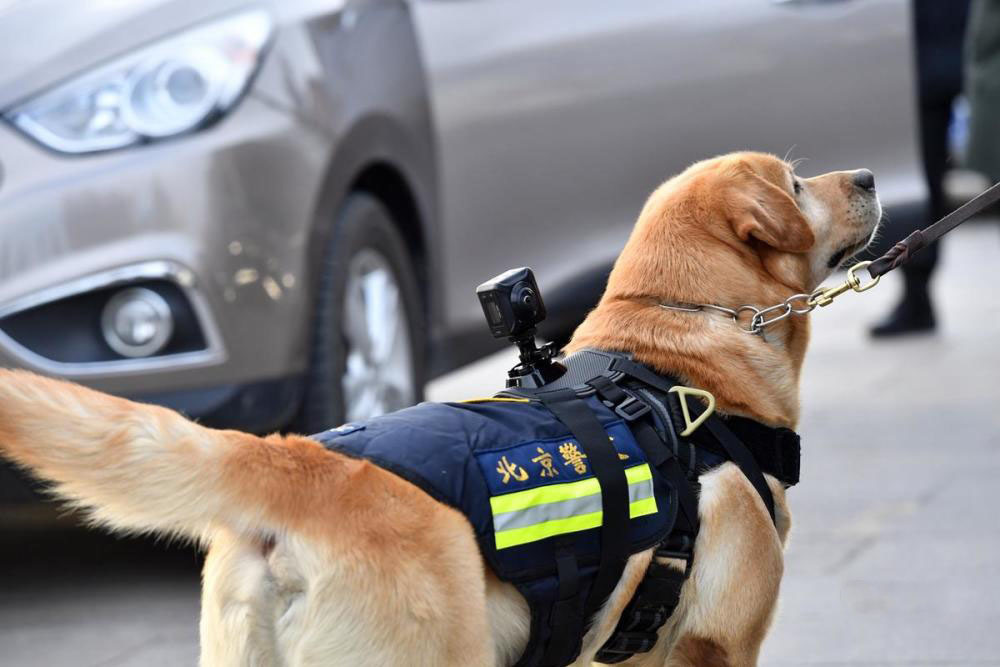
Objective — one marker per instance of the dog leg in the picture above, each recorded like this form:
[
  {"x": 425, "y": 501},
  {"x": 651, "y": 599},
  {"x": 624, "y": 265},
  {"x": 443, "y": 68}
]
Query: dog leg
[
  {"x": 415, "y": 602},
  {"x": 509, "y": 618},
  {"x": 238, "y": 606},
  {"x": 728, "y": 602}
]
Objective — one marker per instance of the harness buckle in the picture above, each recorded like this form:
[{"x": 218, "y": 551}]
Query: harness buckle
[
  {"x": 628, "y": 643},
  {"x": 632, "y": 408},
  {"x": 680, "y": 547}
]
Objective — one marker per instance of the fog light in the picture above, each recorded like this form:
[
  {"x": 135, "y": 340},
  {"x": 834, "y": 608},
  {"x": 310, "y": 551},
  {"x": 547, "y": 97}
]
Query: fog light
[{"x": 137, "y": 322}]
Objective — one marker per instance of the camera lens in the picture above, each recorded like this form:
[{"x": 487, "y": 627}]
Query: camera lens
[{"x": 525, "y": 303}]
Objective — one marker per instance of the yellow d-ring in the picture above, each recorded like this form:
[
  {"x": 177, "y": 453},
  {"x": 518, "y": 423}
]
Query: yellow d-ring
[{"x": 682, "y": 394}]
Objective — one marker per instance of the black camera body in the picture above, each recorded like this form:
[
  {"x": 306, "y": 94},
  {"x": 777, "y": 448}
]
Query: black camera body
[
  {"x": 513, "y": 307},
  {"x": 512, "y": 303}
]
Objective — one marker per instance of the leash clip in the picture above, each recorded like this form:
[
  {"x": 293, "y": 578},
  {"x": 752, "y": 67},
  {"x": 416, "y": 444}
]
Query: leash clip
[{"x": 824, "y": 296}]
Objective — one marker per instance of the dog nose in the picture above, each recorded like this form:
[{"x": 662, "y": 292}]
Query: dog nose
[{"x": 864, "y": 179}]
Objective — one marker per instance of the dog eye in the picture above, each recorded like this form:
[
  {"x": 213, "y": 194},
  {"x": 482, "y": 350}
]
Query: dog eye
[{"x": 796, "y": 185}]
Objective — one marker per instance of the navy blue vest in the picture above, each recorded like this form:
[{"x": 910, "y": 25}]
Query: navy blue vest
[
  {"x": 527, "y": 487},
  {"x": 523, "y": 482}
]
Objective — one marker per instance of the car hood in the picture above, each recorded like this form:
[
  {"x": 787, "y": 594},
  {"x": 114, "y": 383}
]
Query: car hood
[{"x": 43, "y": 42}]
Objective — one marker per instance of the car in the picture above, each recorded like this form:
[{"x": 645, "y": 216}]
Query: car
[{"x": 274, "y": 215}]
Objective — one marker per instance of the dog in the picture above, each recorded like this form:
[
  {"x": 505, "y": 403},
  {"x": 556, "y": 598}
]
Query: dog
[{"x": 315, "y": 558}]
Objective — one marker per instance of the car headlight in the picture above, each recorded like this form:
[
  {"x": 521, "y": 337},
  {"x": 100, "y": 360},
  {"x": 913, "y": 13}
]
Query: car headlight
[{"x": 176, "y": 85}]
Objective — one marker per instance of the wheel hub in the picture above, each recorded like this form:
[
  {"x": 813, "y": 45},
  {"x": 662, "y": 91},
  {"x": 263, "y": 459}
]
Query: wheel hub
[{"x": 378, "y": 376}]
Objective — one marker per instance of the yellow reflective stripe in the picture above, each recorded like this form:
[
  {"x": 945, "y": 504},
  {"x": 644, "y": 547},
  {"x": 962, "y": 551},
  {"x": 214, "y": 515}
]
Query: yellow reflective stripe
[
  {"x": 638, "y": 473},
  {"x": 515, "y": 536},
  {"x": 496, "y": 400},
  {"x": 540, "y": 531},
  {"x": 554, "y": 493},
  {"x": 642, "y": 507},
  {"x": 543, "y": 495}
]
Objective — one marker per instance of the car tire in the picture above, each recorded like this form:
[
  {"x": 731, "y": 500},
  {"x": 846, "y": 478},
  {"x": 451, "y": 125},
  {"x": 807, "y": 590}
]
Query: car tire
[{"x": 368, "y": 346}]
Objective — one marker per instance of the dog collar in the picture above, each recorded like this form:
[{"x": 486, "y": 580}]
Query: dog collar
[
  {"x": 759, "y": 318},
  {"x": 797, "y": 304}
]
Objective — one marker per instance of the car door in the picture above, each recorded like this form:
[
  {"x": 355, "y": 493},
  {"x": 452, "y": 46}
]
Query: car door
[{"x": 556, "y": 119}]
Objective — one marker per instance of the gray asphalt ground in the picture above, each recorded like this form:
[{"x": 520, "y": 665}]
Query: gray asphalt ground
[{"x": 895, "y": 551}]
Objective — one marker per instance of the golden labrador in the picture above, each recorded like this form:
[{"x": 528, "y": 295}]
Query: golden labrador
[{"x": 319, "y": 559}]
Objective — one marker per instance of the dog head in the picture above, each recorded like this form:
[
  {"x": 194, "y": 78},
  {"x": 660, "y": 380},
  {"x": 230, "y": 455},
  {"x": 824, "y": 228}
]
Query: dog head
[
  {"x": 745, "y": 229},
  {"x": 803, "y": 228},
  {"x": 741, "y": 229}
]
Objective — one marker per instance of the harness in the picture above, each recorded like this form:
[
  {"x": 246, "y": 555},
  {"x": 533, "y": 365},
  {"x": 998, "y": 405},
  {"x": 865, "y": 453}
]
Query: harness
[{"x": 562, "y": 483}]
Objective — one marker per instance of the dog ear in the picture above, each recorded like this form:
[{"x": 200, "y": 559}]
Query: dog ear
[{"x": 762, "y": 210}]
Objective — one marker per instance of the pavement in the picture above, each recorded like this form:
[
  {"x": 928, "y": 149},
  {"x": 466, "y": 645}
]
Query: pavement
[{"x": 894, "y": 557}]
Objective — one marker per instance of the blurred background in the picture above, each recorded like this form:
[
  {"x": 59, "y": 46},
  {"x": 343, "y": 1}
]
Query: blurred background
[{"x": 274, "y": 216}]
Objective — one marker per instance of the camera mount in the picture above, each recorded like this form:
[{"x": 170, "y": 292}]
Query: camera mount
[{"x": 513, "y": 307}]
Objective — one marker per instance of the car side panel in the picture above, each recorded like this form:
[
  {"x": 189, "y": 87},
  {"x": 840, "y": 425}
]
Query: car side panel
[
  {"x": 555, "y": 120},
  {"x": 356, "y": 79}
]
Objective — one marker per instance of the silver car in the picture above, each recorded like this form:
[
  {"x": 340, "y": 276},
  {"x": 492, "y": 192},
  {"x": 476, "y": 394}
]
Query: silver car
[{"x": 275, "y": 213}]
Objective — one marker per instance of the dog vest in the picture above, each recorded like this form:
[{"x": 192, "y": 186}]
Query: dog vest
[{"x": 562, "y": 483}]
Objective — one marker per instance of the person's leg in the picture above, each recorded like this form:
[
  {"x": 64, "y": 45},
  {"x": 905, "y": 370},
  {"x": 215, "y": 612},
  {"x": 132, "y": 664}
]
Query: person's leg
[{"x": 915, "y": 313}]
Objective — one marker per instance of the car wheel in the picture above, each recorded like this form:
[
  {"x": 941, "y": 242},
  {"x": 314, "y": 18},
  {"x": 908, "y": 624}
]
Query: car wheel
[{"x": 368, "y": 345}]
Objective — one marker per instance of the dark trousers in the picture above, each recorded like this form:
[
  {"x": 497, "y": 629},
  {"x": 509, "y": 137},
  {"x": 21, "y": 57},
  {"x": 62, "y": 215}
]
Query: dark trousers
[
  {"x": 935, "y": 116},
  {"x": 939, "y": 28}
]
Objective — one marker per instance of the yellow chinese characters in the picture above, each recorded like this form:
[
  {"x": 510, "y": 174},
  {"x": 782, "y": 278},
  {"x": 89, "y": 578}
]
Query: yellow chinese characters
[
  {"x": 544, "y": 459},
  {"x": 508, "y": 470},
  {"x": 572, "y": 456}
]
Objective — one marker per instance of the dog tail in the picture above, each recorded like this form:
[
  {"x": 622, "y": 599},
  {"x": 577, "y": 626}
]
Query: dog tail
[{"x": 145, "y": 468}]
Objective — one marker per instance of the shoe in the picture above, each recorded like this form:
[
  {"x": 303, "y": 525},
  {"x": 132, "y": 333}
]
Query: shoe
[{"x": 911, "y": 316}]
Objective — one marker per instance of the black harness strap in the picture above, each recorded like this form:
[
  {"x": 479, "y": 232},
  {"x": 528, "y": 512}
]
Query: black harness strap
[
  {"x": 656, "y": 453},
  {"x": 641, "y": 373},
  {"x": 659, "y": 593},
  {"x": 654, "y": 602},
  {"x": 572, "y": 411},
  {"x": 567, "y": 621},
  {"x": 641, "y": 397},
  {"x": 776, "y": 450},
  {"x": 742, "y": 457},
  {"x": 735, "y": 449}
]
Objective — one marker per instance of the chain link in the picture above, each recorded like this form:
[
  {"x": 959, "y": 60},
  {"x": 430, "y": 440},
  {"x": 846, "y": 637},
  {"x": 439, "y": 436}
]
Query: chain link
[
  {"x": 765, "y": 317},
  {"x": 761, "y": 317}
]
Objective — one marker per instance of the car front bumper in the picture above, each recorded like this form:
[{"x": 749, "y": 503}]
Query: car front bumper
[{"x": 222, "y": 217}]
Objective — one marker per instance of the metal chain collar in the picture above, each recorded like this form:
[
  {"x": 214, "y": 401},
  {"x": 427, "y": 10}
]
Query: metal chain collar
[{"x": 765, "y": 317}]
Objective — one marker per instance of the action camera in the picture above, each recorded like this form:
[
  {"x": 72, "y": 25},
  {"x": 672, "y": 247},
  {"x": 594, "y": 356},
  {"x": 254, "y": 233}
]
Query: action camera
[
  {"x": 513, "y": 307},
  {"x": 512, "y": 303}
]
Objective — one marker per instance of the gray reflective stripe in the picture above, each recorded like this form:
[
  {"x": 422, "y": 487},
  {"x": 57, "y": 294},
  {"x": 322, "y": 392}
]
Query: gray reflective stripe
[{"x": 565, "y": 508}]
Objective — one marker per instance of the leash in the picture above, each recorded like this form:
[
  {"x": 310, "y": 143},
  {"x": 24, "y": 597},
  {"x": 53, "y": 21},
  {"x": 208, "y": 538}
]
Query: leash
[{"x": 899, "y": 254}]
